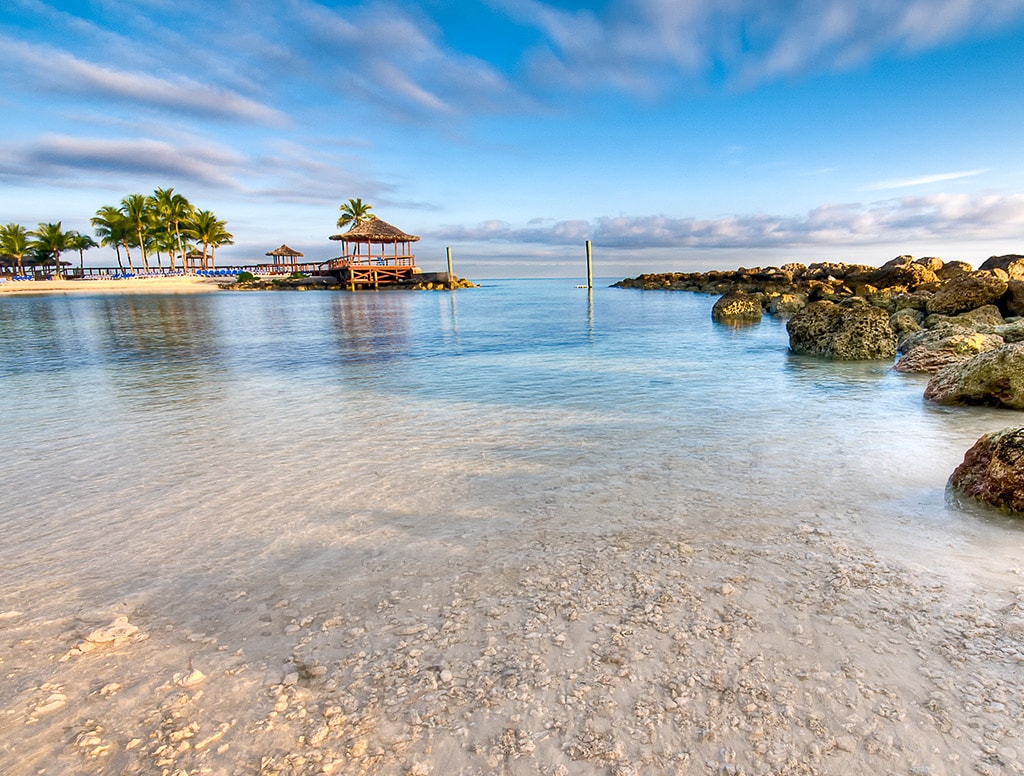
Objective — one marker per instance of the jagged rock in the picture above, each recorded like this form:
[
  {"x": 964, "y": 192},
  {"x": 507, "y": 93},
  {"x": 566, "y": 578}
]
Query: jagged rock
[
  {"x": 994, "y": 378},
  {"x": 902, "y": 271},
  {"x": 737, "y": 308},
  {"x": 1010, "y": 332},
  {"x": 1012, "y": 302},
  {"x": 952, "y": 269},
  {"x": 787, "y": 304},
  {"x": 931, "y": 355},
  {"x": 979, "y": 318},
  {"x": 934, "y": 263},
  {"x": 906, "y": 321},
  {"x": 1012, "y": 264},
  {"x": 993, "y": 471},
  {"x": 967, "y": 292},
  {"x": 915, "y": 301},
  {"x": 846, "y": 332}
]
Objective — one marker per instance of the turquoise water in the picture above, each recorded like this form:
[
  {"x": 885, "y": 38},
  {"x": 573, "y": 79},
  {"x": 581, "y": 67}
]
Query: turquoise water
[{"x": 165, "y": 449}]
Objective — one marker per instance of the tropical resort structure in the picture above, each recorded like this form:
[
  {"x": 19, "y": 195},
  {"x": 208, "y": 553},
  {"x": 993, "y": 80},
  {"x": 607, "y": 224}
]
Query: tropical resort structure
[
  {"x": 285, "y": 258},
  {"x": 375, "y": 253}
]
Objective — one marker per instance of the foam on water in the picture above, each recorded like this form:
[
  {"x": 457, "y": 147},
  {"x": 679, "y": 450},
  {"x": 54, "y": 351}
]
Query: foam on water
[{"x": 167, "y": 449}]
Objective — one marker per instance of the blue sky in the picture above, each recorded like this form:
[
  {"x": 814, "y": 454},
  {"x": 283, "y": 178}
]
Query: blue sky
[{"x": 684, "y": 135}]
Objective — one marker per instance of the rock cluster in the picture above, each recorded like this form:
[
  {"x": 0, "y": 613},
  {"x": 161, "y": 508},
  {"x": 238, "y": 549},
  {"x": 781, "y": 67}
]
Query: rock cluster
[{"x": 963, "y": 327}]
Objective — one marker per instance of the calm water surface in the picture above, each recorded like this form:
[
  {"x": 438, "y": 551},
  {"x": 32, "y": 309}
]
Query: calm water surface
[{"x": 166, "y": 448}]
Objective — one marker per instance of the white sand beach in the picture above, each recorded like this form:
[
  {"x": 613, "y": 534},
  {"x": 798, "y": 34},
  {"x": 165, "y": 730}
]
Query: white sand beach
[{"x": 154, "y": 285}]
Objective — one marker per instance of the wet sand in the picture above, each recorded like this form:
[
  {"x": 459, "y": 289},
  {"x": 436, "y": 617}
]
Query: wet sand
[{"x": 781, "y": 645}]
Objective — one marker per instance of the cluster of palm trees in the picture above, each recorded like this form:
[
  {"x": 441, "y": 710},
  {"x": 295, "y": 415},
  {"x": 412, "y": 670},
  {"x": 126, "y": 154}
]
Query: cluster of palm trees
[
  {"x": 163, "y": 222},
  {"x": 42, "y": 245}
]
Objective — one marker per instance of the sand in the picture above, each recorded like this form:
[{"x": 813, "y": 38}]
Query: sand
[
  {"x": 778, "y": 645},
  {"x": 154, "y": 285}
]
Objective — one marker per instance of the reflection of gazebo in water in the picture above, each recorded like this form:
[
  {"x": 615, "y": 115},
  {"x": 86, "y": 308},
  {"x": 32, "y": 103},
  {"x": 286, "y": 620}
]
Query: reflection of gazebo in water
[
  {"x": 367, "y": 260},
  {"x": 285, "y": 258}
]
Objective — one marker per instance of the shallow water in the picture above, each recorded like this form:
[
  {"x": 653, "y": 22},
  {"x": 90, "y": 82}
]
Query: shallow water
[{"x": 154, "y": 446}]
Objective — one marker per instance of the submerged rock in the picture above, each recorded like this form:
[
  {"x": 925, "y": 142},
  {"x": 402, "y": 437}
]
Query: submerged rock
[
  {"x": 845, "y": 332},
  {"x": 993, "y": 471},
  {"x": 994, "y": 378},
  {"x": 737, "y": 308}
]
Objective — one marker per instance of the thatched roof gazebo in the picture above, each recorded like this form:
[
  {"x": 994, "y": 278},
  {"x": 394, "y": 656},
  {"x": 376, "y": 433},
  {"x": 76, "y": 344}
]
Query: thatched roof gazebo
[
  {"x": 284, "y": 252},
  {"x": 362, "y": 262}
]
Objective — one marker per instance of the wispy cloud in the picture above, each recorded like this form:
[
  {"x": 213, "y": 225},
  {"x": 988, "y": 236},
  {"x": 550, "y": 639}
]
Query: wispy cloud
[
  {"x": 62, "y": 72},
  {"x": 922, "y": 180},
  {"x": 64, "y": 157},
  {"x": 653, "y": 45},
  {"x": 917, "y": 218}
]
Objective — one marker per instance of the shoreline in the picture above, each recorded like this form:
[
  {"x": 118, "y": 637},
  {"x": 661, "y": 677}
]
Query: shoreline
[{"x": 154, "y": 285}]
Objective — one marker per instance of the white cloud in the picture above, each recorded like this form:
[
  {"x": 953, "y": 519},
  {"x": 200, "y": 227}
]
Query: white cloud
[
  {"x": 652, "y": 45},
  {"x": 906, "y": 183},
  {"x": 62, "y": 72},
  {"x": 892, "y": 221},
  {"x": 63, "y": 156}
]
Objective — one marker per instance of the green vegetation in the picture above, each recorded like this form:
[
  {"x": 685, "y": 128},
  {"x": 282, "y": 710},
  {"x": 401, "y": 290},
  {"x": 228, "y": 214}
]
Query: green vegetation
[
  {"x": 163, "y": 223},
  {"x": 354, "y": 212},
  {"x": 245, "y": 277}
]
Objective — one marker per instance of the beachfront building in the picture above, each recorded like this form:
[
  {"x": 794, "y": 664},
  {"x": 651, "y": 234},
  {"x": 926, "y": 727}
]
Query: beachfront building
[{"x": 375, "y": 253}]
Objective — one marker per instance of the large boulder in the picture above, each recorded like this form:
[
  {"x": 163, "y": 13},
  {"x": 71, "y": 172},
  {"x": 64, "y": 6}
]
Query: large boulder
[
  {"x": 952, "y": 269},
  {"x": 994, "y": 378},
  {"x": 906, "y": 321},
  {"x": 853, "y": 331},
  {"x": 737, "y": 308},
  {"x": 931, "y": 354},
  {"x": 901, "y": 272},
  {"x": 1012, "y": 302},
  {"x": 787, "y": 304},
  {"x": 993, "y": 471},
  {"x": 1012, "y": 265},
  {"x": 979, "y": 318},
  {"x": 967, "y": 292}
]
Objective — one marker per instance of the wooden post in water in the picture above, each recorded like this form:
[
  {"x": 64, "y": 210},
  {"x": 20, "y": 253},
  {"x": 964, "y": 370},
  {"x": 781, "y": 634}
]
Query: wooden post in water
[
  {"x": 590, "y": 267},
  {"x": 451, "y": 278}
]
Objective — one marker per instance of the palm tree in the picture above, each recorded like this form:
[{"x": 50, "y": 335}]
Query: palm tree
[
  {"x": 206, "y": 228},
  {"x": 138, "y": 210},
  {"x": 14, "y": 243},
  {"x": 175, "y": 210},
  {"x": 354, "y": 212},
  {"x": 50, "y": 240},
  {"x": 81, "y": 243},
  {"x": 113, "y": 229}
]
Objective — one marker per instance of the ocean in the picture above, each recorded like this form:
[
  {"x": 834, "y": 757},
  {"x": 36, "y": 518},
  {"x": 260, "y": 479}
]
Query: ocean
[{"x": 162, "y": 455}]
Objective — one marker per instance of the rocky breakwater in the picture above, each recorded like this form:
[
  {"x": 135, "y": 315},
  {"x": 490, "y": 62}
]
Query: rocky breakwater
[
  {"x": 939, "y": 313},
  {"x": 963, "y": 327}
]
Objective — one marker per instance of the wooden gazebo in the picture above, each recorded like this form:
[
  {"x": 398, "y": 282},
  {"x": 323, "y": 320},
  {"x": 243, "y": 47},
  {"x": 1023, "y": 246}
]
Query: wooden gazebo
[
  {"x": 375, "y": 253},
  {"x": 285, "y": 257}
]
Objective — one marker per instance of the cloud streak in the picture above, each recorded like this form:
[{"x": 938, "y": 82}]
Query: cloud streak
[
  {"x": 908, "y": 218},
  {"x": 65, "y": 157},
  {"x": 906, "y": 183},
  {"x": 653, "y": 45},
  {"x": 61, "y": 72}
]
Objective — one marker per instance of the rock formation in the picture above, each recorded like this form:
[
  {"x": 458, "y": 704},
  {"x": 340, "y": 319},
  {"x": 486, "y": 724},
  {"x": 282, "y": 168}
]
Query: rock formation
[
  {"x": 994, "y": 378},
  {"x": 846, "y": 332},
  {"x": 993, "y": 471},
  {"x": 737, "y": 308}
]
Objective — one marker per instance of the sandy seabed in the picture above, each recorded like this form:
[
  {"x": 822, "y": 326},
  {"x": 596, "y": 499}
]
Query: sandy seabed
[
  {"x": 778, "y": 644},
  {"x": 153, "y": 285}
]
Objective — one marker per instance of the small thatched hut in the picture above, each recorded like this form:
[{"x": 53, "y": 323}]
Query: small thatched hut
[{"x": 285, "y": 256}]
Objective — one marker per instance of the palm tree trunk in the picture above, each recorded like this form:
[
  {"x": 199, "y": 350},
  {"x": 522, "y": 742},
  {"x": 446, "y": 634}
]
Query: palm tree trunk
[
  {"x": 128, "y": 253},
  {"x": 117, "y": 250}
]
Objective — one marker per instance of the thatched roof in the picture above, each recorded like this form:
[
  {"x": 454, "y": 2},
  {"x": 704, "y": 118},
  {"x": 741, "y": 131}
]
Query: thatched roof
[
  {"x": 374, "y": 230},
  {"x": 284, "y": 250}
]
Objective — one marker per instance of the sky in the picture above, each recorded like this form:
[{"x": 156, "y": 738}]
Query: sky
[{"x": 675, "y": 135}]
